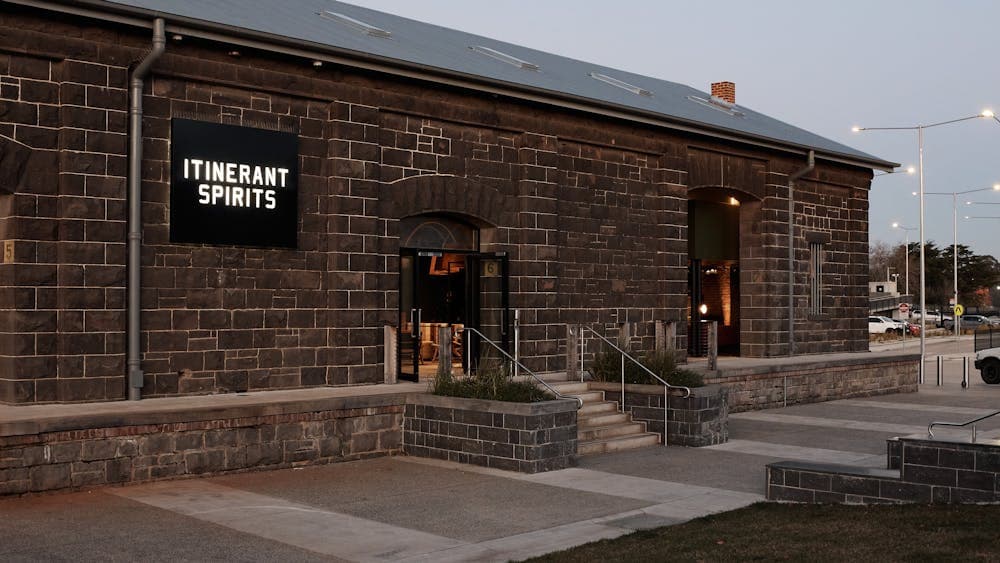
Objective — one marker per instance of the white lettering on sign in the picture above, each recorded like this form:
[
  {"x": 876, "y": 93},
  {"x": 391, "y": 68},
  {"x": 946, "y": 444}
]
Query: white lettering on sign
[{"x": 235, "y": 185}]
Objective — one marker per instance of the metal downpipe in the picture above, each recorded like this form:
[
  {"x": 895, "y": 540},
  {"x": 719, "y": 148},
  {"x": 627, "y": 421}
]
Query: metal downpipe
[
  {"x": 134, "y": 240},
  {"x": 810, "y": 165}
]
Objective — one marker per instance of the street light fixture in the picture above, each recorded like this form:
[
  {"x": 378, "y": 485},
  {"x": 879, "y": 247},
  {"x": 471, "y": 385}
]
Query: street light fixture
[
  {"x": 911, "y": 170},
  {"x": 954, "y": 212},
  {"x": 988, "y": 114},
  {"x": 907, "y": 230}
]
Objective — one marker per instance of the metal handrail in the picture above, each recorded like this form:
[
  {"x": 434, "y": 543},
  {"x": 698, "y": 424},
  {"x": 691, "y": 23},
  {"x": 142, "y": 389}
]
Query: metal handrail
[
  {"x": 635, "y": 361},
  {"x": 666, "y": 386},
  {"x": 973, "y": 422},
  {"x": 519, "y": 365}
]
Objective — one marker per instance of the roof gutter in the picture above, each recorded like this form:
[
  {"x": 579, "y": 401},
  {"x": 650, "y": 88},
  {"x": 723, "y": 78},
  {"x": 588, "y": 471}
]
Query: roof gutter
[
  {"x": 222, "y": 33},
  {"x": 134, "y": 197}
]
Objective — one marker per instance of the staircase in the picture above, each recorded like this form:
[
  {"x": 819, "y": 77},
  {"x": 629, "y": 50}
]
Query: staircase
[{"x": 601, "y": 428}]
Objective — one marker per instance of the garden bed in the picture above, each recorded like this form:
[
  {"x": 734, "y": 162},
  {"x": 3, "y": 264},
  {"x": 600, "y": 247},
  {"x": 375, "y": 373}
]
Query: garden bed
[{"x": 524, "y": 437}]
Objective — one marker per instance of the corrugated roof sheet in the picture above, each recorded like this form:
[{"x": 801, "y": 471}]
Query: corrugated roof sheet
[{"x": 449, "y": 50}]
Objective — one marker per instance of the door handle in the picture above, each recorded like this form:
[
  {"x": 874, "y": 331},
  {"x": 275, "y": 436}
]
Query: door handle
[{"x": 413, "y": 325}]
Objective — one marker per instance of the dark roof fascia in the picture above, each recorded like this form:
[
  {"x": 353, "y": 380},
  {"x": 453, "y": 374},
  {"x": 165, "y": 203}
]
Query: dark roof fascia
[{"x": 141, "y": 17}]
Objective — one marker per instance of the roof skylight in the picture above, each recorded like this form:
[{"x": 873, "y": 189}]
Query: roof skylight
[
  {"x": 504, "y": 57},
  {"x": 717, "y": 103},
  {"x": 354, "y": 24},
  {"x": 620, "y": 84}
]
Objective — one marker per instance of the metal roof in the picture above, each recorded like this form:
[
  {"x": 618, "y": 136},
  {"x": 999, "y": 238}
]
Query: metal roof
[{"x": 442, "y": 51}]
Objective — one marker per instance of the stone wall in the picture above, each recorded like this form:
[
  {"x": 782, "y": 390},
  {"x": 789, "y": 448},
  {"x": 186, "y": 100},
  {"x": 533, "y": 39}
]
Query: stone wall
[
  {"x": 591, "y": 212},
  {"x": 932, "y": 471},
  {"x": 699, "y": 420},
  {"x": 525, "y": 437},
  {"x": 115, "y": 449},
  {"x": 813, "y": 381}
]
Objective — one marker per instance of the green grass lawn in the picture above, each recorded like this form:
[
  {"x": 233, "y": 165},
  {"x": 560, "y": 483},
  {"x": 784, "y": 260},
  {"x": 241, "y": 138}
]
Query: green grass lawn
[{"x": 799, "y": 532}]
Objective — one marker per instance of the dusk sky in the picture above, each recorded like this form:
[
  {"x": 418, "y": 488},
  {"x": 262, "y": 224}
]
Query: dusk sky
[{"x": 823, "y": 67}]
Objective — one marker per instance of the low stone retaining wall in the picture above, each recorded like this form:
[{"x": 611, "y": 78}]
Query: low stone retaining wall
[
  {"x": 525, "y": 437},
  {"x": 699, "y": 420},
  {"x": 929, "y": 471},
  {"x": 794, "y": 381},
  {"x": 78, "y": 451}
]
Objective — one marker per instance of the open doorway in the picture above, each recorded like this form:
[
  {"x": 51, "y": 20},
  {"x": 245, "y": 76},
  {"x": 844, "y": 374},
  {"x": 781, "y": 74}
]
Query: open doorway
[{"x": 714, "y": 272}]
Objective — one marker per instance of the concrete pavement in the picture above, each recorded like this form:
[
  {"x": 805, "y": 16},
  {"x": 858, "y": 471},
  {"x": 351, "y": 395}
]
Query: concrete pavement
[{"x": 410, "y": 509}]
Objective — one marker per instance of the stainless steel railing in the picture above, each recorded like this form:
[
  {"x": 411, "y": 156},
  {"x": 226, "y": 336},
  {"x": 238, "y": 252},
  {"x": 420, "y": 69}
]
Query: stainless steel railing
[
  {"x": 516, "y": 363},
  {"x": 625, "y": 355},
  {"x": 973, "y": 422}
]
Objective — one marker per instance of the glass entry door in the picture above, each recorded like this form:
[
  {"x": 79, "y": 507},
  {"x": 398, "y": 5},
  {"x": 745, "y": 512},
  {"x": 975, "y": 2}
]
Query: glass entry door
[
  {"x": 450, "y": 289},
  {"x": 408, "y": 336}
]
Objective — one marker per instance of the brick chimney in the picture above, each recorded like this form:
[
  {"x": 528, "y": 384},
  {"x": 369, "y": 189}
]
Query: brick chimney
[{"x": 724, "y": 91}]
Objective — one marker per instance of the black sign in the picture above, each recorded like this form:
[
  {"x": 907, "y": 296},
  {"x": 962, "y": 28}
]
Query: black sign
[{"x": 233, "y": 185}]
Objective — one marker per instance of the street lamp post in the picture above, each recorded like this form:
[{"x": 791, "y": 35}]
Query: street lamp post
[
  {"x": 906, "y": 258},
  {"x": 920, "y": 165},
  {"x": 954, "y": 225}
]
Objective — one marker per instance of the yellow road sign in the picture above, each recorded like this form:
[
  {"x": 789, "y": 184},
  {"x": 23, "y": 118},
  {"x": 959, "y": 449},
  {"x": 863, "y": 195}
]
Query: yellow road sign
[{"x": 959, "y": 310}]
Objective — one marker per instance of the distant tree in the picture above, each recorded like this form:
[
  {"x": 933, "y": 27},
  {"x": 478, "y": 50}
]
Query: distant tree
[{"x": 978, "y": 275}]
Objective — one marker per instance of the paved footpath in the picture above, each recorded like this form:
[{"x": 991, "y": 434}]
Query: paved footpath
[{"x": 409, "y": 509}]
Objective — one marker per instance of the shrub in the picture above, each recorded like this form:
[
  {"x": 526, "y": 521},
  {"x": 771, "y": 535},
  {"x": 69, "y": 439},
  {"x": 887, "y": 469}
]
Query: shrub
[
  {"x": 606, "y": 366},
  {"x": 490, "y": 381}
]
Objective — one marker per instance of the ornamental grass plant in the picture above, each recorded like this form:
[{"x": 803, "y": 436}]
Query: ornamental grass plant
[
  {"x": 491, "y": 380},
  {"x": 607, "y": 366}
]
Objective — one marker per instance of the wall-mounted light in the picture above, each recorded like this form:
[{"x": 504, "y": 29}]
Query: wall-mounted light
[
  {"x": 234, "y": 53},
  {"x": 733, "y": 201},
  {"x": 703, "y": 309},
  {"x": 177, "y": 37},
  {"x": 317, "y": 64}
]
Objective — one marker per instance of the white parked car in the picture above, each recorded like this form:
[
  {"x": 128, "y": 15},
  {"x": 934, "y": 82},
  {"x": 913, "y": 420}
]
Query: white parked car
[
  {"x": 884, "y": 325},
  {"x": 988, "y": 363}
]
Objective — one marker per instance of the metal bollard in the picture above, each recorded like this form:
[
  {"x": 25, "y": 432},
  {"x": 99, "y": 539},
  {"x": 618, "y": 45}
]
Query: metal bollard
[
  {"x": 965, "y": 372},
  {"x": 940, "y": 371}
]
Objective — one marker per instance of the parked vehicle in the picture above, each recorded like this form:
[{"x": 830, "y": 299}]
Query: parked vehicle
[
  {"x": 931, "y": 316},
  {"x": 884, "y": 325},
  {"x": 967, "y": 322},
  {"x": 988, "y": 364}
]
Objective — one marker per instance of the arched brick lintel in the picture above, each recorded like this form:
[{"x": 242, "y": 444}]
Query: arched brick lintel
[{"x": 457, "y": 196}]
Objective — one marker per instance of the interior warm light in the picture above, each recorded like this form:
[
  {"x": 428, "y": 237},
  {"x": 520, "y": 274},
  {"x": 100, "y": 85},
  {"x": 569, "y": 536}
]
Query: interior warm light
[
  {"x": 996, "y": 187},
  {"x": 703, "y": 309},
  {"x": 733, "y": 201}
]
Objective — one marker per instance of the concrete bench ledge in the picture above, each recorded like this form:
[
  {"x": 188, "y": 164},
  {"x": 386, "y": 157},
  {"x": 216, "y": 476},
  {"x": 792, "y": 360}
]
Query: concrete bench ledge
[
  {"x": 39, "y": 419},
  {"x": 838, "y": 469}
]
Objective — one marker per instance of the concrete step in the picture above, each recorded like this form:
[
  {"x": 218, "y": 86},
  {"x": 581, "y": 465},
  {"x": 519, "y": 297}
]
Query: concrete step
[
  {"x": 551, "y": 376},
  {"x": 595, "y": 408},
  {"x": 588, "y": 397},
  {"x": 618, "y": 444},
  {"x": 570, "y": 387},
  {"x": 601, "y": 419},
  {"x": 612, "y": 431}
]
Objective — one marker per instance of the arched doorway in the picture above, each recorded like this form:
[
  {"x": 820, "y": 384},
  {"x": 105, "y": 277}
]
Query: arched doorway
[{"x": 445, "y": 281}]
